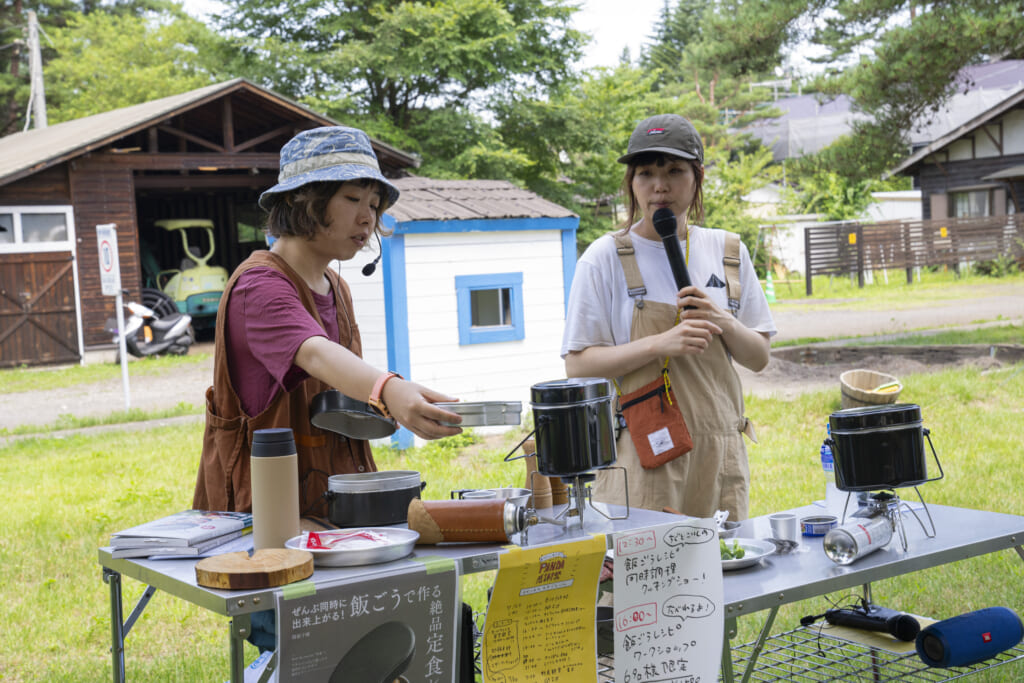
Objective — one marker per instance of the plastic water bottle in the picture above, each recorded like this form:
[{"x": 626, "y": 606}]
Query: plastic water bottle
[{"x": 835, "y": 500}]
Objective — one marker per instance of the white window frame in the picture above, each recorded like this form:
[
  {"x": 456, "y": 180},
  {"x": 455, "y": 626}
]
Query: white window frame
[{"x": 21, "y": 247}]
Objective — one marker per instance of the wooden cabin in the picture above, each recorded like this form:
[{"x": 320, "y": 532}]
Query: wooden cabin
[{"x": 208, "y": 153}]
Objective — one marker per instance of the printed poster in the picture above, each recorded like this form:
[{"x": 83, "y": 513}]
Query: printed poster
[
  {"x": 541, "y": 620},
  {"x": 668, "y": 603},
  {"x": 400, "y": 626}
]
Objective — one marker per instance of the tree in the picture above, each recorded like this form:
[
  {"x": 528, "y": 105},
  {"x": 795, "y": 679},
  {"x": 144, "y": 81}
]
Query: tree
[
  {"x": 400, "y": 61},
  {"x": 169, "y": 52},
  {"x": 898, "y": 61},
  {"x": 52, "y": 16}
]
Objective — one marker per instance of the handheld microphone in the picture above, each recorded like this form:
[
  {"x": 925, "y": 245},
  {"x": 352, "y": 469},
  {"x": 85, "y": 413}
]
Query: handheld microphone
[
  {"x": 369, "y": 268},
  {"x": 897, "y": 624},
  {"x": 665, "y": 225}
]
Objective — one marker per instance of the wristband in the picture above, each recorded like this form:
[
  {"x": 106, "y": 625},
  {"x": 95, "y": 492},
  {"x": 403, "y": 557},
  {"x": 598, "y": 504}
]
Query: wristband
[{"x": 375, "y": 400}]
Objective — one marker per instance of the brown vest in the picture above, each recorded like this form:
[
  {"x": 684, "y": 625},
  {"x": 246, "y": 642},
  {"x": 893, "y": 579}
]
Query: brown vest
[{"x": 223, "y": 482}]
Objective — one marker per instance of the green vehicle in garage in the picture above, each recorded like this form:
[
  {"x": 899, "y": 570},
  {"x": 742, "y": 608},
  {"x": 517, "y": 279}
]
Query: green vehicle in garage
[{"x": 195, "y": 286}]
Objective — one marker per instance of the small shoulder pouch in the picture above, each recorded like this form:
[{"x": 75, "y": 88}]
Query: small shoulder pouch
[{"x": 655, "y": 422}]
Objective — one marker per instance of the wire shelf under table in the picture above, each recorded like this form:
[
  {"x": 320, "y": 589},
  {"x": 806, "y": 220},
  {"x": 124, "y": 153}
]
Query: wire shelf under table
[{"x": 805, "y": 655}]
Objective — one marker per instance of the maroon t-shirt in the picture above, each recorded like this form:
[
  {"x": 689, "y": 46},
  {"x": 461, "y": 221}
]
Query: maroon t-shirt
[{"x": 266, "y": 325}]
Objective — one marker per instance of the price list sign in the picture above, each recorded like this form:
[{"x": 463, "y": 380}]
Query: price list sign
[{"x": 668, "y": 604}]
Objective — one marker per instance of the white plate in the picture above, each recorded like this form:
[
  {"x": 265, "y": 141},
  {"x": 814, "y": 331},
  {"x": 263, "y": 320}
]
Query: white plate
[
  {"x": 756, "y": 550},
  {"x": 400, "y": 542}
]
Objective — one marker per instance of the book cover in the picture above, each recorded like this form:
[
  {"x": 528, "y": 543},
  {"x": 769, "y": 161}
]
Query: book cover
[
  {"x": 159, "y": 551},
  {"x": 182, "y": 529}
]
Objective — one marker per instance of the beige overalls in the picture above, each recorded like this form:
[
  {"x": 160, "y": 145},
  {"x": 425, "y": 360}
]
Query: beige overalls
[{"x": 714, "y": 475}]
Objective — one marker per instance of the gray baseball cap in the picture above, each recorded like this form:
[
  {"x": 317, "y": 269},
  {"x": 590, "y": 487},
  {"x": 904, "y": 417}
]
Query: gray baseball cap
[{"x": 665, "y": 133}]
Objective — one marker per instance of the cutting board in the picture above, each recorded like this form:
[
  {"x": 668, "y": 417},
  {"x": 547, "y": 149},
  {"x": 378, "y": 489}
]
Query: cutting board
[{"x": 266, "y": 568}]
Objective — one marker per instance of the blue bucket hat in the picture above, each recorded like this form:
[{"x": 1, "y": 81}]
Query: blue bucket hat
[{"x": 328, "y": 154}]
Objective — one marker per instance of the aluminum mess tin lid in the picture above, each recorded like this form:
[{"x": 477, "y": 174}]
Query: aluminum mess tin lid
[
  {"x": 570, "y": 391},
  {"x": 892, "y": 415},
  {"x": 374, "y": 482},
  {"x": 484, "y": 413}
]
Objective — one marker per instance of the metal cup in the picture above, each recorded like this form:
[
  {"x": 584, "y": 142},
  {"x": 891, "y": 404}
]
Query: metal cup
[{"x": 784, "y": 526}]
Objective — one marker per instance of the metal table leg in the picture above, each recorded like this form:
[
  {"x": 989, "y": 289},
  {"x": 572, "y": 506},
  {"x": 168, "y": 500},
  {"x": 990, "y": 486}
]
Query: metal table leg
[
  {"x": 119, "y": 628},
  {"x": 766, "y": 631},
  {"x": 241, "y": 627},
  {"x": 730, "y": 633},
  {"x": 113, "y": 579}
]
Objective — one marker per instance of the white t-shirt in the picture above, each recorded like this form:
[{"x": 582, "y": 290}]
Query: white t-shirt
[{"x": 601, "y": 310}]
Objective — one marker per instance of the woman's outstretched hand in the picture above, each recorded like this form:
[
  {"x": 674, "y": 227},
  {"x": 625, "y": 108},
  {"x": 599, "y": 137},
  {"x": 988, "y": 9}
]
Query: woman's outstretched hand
[{"x": 412, "y": 405}]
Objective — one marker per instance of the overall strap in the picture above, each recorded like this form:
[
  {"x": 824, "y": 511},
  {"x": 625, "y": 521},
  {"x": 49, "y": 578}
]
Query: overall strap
[
  {"x": 627, "y": 257},
  {"x": 731, "y": 263}
]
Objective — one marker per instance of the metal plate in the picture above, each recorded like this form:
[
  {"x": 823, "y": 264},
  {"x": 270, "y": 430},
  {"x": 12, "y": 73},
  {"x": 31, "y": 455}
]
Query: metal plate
[
  {"x": 484, "y": 413},
  {"x": 400, "y": 542},
  {"x": 756, "y": 550},
  {"x": 336, "y": 412}
]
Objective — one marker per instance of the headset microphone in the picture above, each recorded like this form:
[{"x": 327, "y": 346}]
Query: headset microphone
[{"x": 369, "y": 268}]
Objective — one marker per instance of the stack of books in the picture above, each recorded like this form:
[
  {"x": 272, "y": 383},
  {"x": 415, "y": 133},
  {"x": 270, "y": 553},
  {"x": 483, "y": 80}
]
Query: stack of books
[{"x": 184, "y": 534}]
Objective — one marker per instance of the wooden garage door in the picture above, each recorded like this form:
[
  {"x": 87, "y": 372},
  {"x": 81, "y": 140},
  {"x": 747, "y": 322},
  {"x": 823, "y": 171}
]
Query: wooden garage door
[{"x": 38, "y": 321}]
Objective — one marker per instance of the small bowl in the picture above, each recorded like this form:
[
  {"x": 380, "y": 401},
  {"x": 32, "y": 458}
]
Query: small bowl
[
  {"x": 513, "y": 495},
  {"x": 818, "y": 525},
  {"x": 728, "y": 529}
]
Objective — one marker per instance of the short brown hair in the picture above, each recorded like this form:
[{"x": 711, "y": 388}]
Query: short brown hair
[
  {"x": 302, "y": 212},
  {"x": 696, "y": 211}
]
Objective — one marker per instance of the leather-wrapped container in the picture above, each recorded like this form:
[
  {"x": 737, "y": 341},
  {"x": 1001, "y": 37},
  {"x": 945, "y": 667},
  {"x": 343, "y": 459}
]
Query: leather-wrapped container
[{"x": 465, "y": 521}]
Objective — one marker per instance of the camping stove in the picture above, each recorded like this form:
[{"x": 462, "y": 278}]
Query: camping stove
[{"x": 891, "y": 506}]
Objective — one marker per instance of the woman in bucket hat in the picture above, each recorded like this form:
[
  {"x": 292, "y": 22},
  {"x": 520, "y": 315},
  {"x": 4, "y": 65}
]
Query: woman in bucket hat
[
  {"x": 286, "y": 331},
  {"x": 628, "y": 321}
]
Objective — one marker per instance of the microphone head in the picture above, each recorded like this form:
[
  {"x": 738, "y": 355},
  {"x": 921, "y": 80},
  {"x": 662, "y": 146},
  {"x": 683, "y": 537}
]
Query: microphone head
[
  {"x": 903, "y": 627},
  {"x": 369, "y": 268},
  {"x": 664, "y": 222}
]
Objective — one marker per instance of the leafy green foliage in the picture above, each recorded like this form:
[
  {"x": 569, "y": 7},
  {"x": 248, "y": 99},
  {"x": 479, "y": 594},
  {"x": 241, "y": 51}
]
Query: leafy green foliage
[{"x": 169, "y": 53}]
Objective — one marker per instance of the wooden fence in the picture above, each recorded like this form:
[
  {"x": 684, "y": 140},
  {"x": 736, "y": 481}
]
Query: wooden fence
[{"x": 855, "y": 248}]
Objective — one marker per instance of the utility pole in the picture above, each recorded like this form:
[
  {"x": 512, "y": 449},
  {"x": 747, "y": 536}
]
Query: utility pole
[{"x": 35, "y": 68}]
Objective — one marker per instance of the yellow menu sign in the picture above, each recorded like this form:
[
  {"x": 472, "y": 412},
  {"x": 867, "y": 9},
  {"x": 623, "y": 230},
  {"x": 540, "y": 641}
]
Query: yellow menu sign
[{"x": 541, "y": 618}]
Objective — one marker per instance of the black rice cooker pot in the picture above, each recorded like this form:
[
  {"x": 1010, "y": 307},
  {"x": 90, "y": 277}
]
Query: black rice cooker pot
[
  {"x": 371, "y": 498},
  {"x": 879, "y": 447},
  {"x": 575, "y": 425}
]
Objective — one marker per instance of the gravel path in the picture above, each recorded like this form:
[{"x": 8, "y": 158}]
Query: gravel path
[{"x": 187, "y": 384}]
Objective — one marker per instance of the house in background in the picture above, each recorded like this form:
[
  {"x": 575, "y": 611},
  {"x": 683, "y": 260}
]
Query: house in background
[
  {"x": 469, "y": 297},
  {"x": 207, "y": 153},
  {"x": 976, "y": 169},
  {"x": 808, "y": 124}
]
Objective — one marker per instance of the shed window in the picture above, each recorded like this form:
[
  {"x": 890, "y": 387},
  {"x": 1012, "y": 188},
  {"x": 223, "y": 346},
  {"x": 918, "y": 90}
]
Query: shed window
[
  {"x": 35, "y": 228},
  {"x": 490, "y": 307}
]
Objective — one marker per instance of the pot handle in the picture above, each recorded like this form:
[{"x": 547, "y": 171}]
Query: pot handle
[
  {"x": 510, "y": 458},
  {"x": 928, "y": 435}
]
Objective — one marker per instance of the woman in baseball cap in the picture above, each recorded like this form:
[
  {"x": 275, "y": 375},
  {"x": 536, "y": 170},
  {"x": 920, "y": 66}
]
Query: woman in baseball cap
[{"x": 668, "y": 348}]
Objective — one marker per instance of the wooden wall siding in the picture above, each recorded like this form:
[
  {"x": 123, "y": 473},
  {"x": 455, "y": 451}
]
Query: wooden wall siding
[
  {"x": 103, "y": 195},
  {"x": 50, "y": 186},
  {"x": 949, "y": 177},
  {"x": 829, "y": 250},
  {"x": 38, "y": 323}
]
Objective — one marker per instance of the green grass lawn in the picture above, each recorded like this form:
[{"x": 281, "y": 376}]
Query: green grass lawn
[{"x": 67, "y": 495}]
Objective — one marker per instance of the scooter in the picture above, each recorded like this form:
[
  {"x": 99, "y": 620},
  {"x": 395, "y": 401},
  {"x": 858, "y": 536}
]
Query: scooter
[{"x": 169, "y": 334}]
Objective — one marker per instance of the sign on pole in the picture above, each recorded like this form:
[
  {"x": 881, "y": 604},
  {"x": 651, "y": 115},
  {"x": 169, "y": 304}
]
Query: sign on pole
[{"x": 110, "y": 279}]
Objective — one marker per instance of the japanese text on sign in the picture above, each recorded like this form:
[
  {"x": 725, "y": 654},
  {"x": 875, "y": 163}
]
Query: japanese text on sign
[{"x": 668, "y": 604}]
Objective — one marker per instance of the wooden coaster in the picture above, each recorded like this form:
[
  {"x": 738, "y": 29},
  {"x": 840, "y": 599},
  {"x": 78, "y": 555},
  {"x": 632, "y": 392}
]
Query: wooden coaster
[{"x": 266, "y": 568}]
